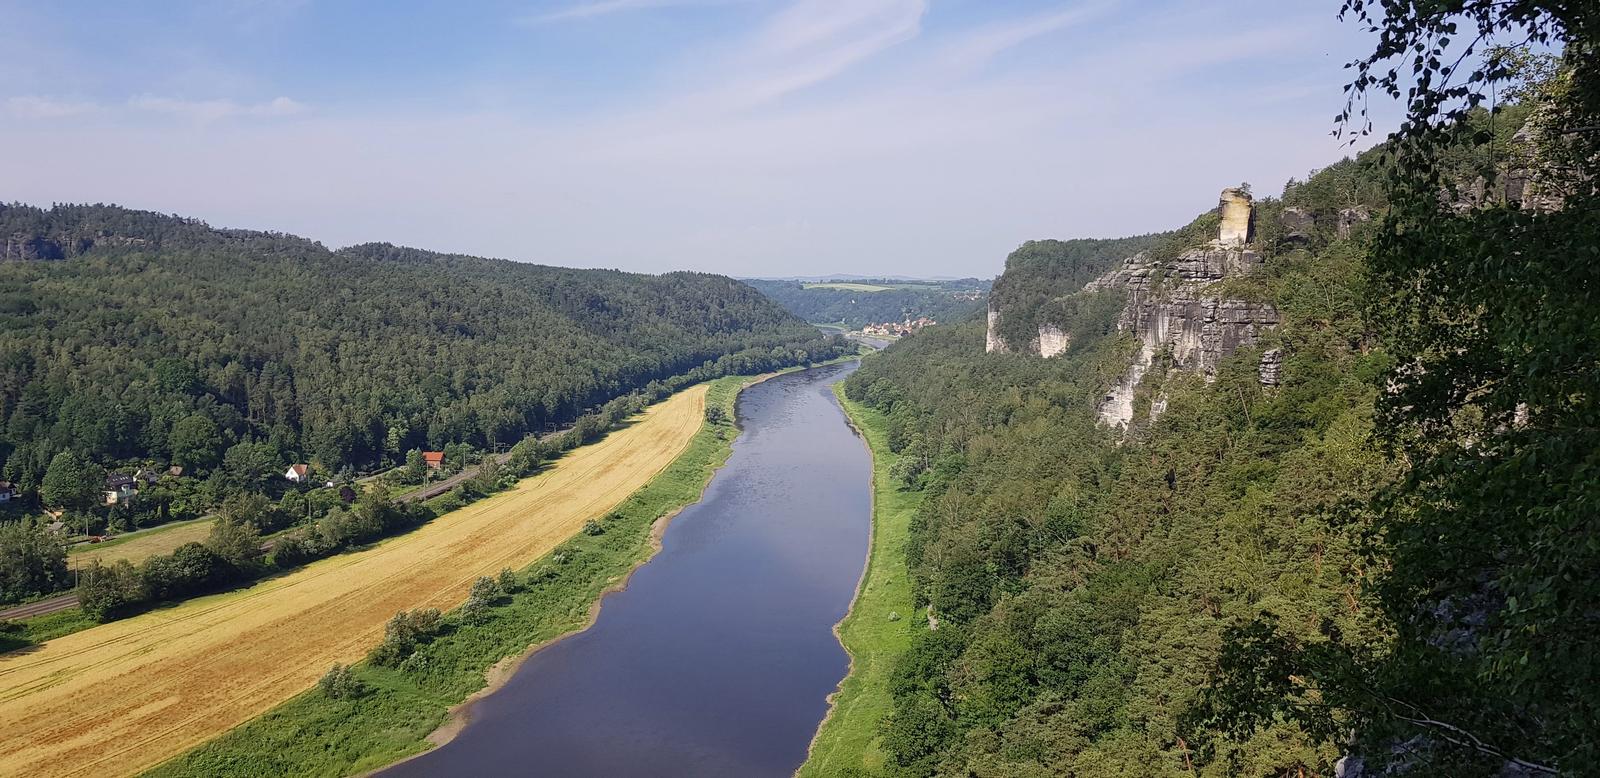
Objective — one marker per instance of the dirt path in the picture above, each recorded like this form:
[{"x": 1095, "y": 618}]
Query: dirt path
[{"x": 125, "y": 696}]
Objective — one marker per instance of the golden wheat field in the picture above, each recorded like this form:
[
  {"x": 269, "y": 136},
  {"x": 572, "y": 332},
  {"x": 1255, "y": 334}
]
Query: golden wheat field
[{"x": 124, "y": 696}]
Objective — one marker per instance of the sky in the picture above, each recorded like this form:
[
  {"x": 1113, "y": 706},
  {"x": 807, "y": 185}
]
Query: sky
[{"x": 748, "y": 137}]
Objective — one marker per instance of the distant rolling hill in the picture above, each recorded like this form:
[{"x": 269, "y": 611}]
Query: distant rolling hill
[
  {"x": 130, "y": 335},
  {"x": 855, "y": 301}
]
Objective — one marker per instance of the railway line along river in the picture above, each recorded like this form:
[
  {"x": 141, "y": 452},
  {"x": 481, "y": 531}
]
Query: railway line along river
[{"x": 718, "y": 657}]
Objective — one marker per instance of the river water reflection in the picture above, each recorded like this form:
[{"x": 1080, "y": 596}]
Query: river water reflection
[{"x": 719, "y": 656}]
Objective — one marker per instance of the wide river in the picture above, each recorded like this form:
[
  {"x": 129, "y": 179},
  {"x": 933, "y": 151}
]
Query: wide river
[{"x": 718, "y": 658}]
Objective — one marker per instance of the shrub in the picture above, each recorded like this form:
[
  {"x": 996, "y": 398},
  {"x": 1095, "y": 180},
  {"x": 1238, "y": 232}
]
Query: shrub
[
  {"x": 404, "y": 633},
  {"x": 104, "y": 590},
  {"x": 341, "y": 684},
  {"x": 592, "y": 527},
  {"x": 485, "y": 590}
]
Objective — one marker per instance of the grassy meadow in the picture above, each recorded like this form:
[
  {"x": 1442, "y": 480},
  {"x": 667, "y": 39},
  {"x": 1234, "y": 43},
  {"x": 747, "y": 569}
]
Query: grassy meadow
[{"x": 848, "y": 742}]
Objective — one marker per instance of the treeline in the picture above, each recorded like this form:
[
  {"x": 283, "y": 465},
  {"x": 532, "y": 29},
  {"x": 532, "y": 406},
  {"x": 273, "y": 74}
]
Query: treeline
[
  {"x": 942, "y": 301},
  {"x": 311, "y": 529}
]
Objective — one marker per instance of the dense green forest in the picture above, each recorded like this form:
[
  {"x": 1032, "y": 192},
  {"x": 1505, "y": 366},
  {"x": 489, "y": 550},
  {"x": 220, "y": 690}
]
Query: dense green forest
[
  {"x": 136, "y": 339},
  {"x": 1385, "y": 562},
  {"x": 1081, "y": 587},
  {"x": 1042, "y": 271},
  {"x": 941, "y": 301}
]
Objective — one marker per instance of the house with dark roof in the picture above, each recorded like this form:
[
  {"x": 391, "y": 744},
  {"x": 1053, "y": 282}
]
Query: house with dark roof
[{"x": 120, "y": 488}]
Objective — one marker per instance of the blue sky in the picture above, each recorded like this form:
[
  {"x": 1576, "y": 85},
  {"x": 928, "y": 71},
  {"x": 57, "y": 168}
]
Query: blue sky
[{"x": 751, "y": 137}]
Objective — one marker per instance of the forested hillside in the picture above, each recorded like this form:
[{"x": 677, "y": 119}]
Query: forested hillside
[
  {"x": 1352, "y": 567},
  {"x": 132, "y": 336},
  {"x": 858, "y": 303},
  {"x": 1041, "y": 271},
  {"x": 1081, "y": 586}
]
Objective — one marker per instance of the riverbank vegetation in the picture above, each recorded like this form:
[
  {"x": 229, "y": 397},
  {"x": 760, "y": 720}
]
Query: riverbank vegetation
[
  {"x": 879, "y": 627},
  {"x": 319, "y": 733}
]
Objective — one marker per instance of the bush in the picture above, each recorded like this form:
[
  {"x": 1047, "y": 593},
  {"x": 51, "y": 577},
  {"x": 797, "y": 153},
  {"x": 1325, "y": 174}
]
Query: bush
[
  {"x": 484, "y": 590},
  {"x": 404, "y": 634},
  {"x": 341, "y": 684},
  {"x": 507, "y": 581},
  {"x": 292, "y": 550},
  {"x": 103, "y": 590},
  {"x": 715, "y": 414}
]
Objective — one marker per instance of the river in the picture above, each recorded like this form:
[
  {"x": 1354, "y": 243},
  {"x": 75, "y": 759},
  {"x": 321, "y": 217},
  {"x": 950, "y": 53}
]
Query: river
[{"x": 718, "y": 658}]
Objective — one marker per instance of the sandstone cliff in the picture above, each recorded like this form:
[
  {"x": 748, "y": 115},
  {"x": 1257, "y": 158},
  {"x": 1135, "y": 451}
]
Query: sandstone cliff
[{"x": 1181, "y": 324}]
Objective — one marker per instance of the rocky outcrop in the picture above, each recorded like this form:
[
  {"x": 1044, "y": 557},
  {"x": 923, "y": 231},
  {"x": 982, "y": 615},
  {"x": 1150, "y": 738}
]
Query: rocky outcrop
[
  {"x": 1270, "y": 370},
  {"x": 1349, "y": 218},
  {"x": 1173, "y": 308},
  {"x": 1236, "y": 206},
  {"x": 32, "y": 247},
  {"x": 993, "y": 343},
  {"x": 1180, "y": 324},
  {"x": 1298, "y": 224},
  {"x": 1052, "y": 340}
]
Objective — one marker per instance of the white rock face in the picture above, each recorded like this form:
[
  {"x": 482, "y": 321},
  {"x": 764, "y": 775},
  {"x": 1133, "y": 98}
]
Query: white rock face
[
  {"x": 1052, "y": 340},
  {"x": 1235, "y": 206},
  {"x": 1177, "y": 323},
  {"x": 993, "y": 343},
  {"x": 1116, "y": 410}
]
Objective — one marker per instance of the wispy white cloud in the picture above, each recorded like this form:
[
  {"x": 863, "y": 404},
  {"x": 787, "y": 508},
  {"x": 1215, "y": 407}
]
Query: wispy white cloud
[
  {"x": 213, "y": 110},
  {"x": 595, "y": 8},
  {"x": 36, "y": 107},
  {"x": 984, "y": 44},
  {"x": 812, "y": 41}
]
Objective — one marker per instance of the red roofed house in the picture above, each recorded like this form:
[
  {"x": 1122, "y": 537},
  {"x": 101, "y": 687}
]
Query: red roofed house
[
  {"x": 434, "y": 459},
  {"x": 298, "y": 473}
]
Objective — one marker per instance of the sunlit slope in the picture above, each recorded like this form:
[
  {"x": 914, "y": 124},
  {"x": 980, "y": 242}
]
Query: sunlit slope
[{"x": 127, "y": 695}]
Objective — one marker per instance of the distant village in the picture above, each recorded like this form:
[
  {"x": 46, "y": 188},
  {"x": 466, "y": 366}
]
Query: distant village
[{"x": 897, "y": 329}]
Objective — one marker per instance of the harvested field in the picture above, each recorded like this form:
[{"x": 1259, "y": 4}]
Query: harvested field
[
  {"x": 142, "y": 546},
  {"x": 125, "y": 696}
]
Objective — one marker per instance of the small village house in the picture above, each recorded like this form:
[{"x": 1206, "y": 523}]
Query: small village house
[
  {"x": 433, "y": 459},
  {"x": 8, "y": 490},
  {"x": 120, "y": 488},
  {"x": 298, "y": 473}
]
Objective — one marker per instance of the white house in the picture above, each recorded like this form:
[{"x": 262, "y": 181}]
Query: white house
[
  {"x": 119, "y": 488},
  {"x": 298, "y": 473}
]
